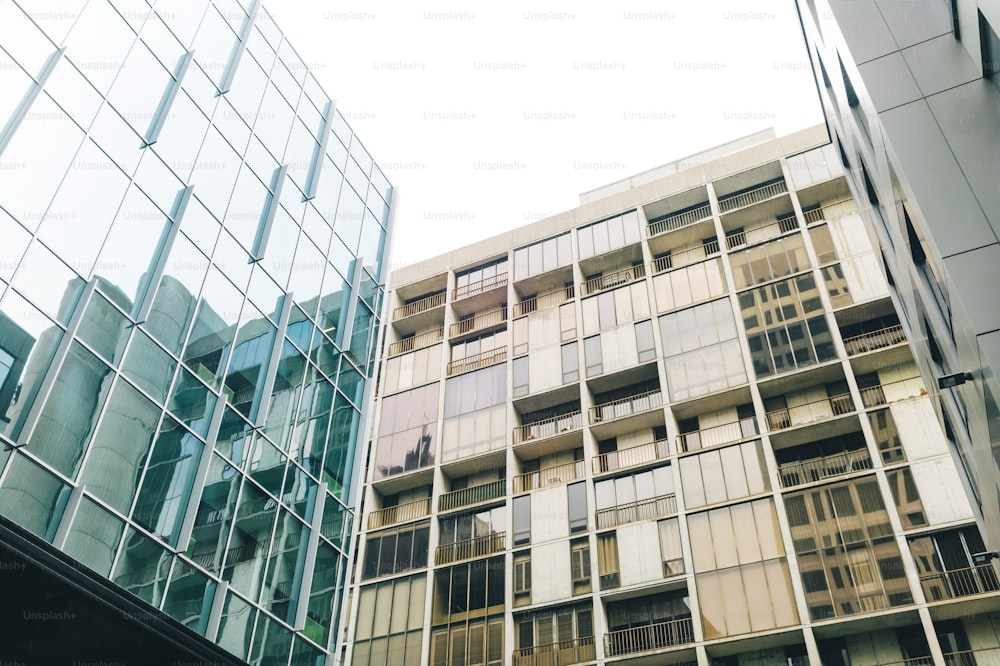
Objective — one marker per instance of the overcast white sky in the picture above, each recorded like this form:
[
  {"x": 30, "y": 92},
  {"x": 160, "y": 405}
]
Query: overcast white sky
[{"x": 488, "y": 116}]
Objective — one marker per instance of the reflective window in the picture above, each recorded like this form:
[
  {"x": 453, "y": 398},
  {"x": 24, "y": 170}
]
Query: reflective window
[
  {"x": 543, "y": 256},
  {"x": 522, "y": 520},
  {"x": 93, "y": 538},
  {"x": 33, "y": 498},
  {"x": 609, "y": 234},
  {"x": 394, "y": 551},
  {"x": 576, "y": 495}
]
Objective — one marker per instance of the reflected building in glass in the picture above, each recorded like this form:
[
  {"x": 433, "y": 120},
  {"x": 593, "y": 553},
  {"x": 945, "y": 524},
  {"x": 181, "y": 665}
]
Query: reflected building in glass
[
  {"x": 192, "y": 248},
  {"x": 679, "y": 424}
]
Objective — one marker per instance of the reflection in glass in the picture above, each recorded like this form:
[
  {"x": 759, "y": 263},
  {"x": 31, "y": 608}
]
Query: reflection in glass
[
  {"x": 33, "y": 498},
  {"x": 189, "y": 597},
  {"x": 93, "y": 538}
]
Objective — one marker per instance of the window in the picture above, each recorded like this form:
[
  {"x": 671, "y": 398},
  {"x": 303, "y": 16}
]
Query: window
[
  {"x": 521, "y": 376},
  {"x": 522, "y": 520},
  {"x": 522, "y": 578},
  {"x": 607, "y": 560},
  {"x": 394, "y": 609},
  {"x": 542, "y": 636},
  {"x": 670, "y": 547},
  {"x": 579, "y": 551},
  {"x": 570, "y": 363},
  {"x": 577, "y": 500},
  {"x": 906, "y": 498},
  {"x": 483, "y": 277},
  {"x": 593, "y": 356},
  {"x": 543, "y": 256},
  {"x": 644, "y": 341},
  {"x": 393, "y": 551},
  {"x": 610, "y": 234}
]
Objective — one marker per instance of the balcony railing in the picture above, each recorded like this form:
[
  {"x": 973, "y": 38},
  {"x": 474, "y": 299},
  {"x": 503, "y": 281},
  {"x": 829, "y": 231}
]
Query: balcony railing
[
  {"x": 473, "y": 495},
  {"x": 883, "y": 394},
  {"x": 779, "y": 419},
  {"x": 816, "y": 469},
  {"x": 471, "y": 548},
  {"x": 731, "y": 202},
  {"x": 960, "y": 583},
  {"x": 648, "y": 509},
  {"x": 632, "y": 456},
  {"x": 478, "y": 322},
  {"x": 550, "y": 476},
  {"x": 819, "y": 213},
  {"x": 650, "y": 637},
  {"x": 716, "y": 435},
  {"x": 866, "y": 342},
  {"x": 615, "y": 279},
  {"x": 678, "y": 220},
  {"x": 685, "y": 258},
  {"x": 632, "y": 404},
  {"x": 416, "y": 342},
  {"x": 416, "y": 307},
  {"x": 576, "y": 651},
  {"x": 477, "y": 361},
  {"x": 391, "y": 515},
  {"x": 543, "y": 302},
  {"x": 548, "y": 427},
  {"x": 484, "y": 285},
  {"x": 757, "y": 234}
]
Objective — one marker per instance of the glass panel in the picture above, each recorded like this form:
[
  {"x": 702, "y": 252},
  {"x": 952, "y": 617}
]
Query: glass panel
[
  {"x": 236, "y": 625},
  {"x": 93, "y": 538},
  {"x": 143, "y": 567},
  {"x": 32, "y": 497},
  {"x": 189, "y": 597}
]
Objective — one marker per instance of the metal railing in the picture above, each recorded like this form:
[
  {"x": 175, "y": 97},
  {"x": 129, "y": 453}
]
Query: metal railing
[
  {"x": 814, "y": 215},
  {"x": 685, "y": 258},
  {"x": 424, "y": 304},
  {"x": 632, "y": 512},
  {"x": 880, "y": 339},
  {"x": 960, "y": 582},
  {"x": 632, "y": 404},
  {"x": 544, "y": 302},
  {"x": 632, "y": 456},
  {"x": 731, "y": 202},
  {"x": 477, "y": 361},
  {"x": 874, "y": 396},
  {"x": 391, "y": 515},
  {"x": 478, "y": 322},
  {"x": 416, "y": 342},
  {"x": 677, "y": 220},
  {"x": 548, "y": 427},
  {"x": 824, "y": 467},
  {"x": 779, "y": 419},
  {"x": 470, "y": 548},
  {"x": 484, "y": 285},
  {"x": 757, "y": 234},
  {"x": 576, "y": 651},
  {"x": 716, "y": 435},
  {"x": 550, "y": 476},
  {"x": 472, "y": 495},
  {"x": 965, "y": 657},
  {"x": 650, "y": 637},
  {"x": 615, "y": 279}
]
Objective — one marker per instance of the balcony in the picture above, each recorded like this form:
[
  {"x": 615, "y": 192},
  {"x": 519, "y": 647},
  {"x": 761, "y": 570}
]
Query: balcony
[
  {"x": 478, "y": 323},
  {"x": 542, "y": 302},
  {"x": 651, "y": 637},
  {"x": 824, "y": 467},
  {"x": 757, "y": 195},
  {"x": 810, "y": 412},
  {"x": 960, "y": 583},
  {"x": 548, "y": 427},
  {"x": 631, "y": 457},
  {"x": 883, "y": 394},
  {"x": 416, "y": 342},
  {"x": 677, "y": 220},
  {"x": 473, "y": 495},
  {"x": 401, "y": 513},
  {"x": 416, "y": 307},
  {"x": 881, "y": 339},
  {"x": 614, "y": 279},
  {"x": 716, "y": 435},
  {"x": 471, "y": 548},
  {"x": 633, "y": 512},
  {"x": 480, "y": 287},
  {"x": 684, "y": 258},
  {"x": 576, "y": 651},
  {"x": 551, "y": 476},
  {"x": 736, "y": 239},
  {"x": 477, "y": 361},
  {"x": 622, "y": 407}
]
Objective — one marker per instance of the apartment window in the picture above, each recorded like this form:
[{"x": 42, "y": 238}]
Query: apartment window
[
  {"x": 670, "y": 547},
  {"x": 886, "y": 436},
  {"x": 393, "y": 551},
  {"x": 468, "y": 589},
  {"x": 607, "y": 560},
  {"x": 522, "y": 520},
  {"x": 570, "y": 363},
  {"x": 559, "y": 636},
  {"x": 543, "y": 256},
  {"x": 763, "y": 263},
  {"x": 688, "y": 285},
  {"x": 485, "y": 276},
  {"x": 593, "y": 356},
  {"x": 577, "y": 501},
  {"x": 473, "y": 642},
  {"x": 906, "y": 498},
  {"x": 522, "y": 578},
  {"x": 644, "y": 341},
  {"x": 567, "y": 318},
  {"x": 520, "y": 376},
  {"x": 616, "y": 307},
  {"x": 474, "y": 412},
  {"x": 724, "y": 474},
  {"x": 579, "y": 552},
  {"x": 390, "y": 622}
]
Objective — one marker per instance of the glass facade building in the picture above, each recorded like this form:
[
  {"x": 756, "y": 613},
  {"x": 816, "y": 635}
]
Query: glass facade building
[{"x": 191, "y": 248}]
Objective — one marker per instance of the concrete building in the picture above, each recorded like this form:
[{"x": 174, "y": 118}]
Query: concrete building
[
  {"x": 910, "y": 94},
  {"x": 191, "y": 244},
  {"x": 679, "y": 424}
]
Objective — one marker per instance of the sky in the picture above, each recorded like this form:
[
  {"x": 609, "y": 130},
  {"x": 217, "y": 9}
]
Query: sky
[{"x": 488, "y": 116}]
